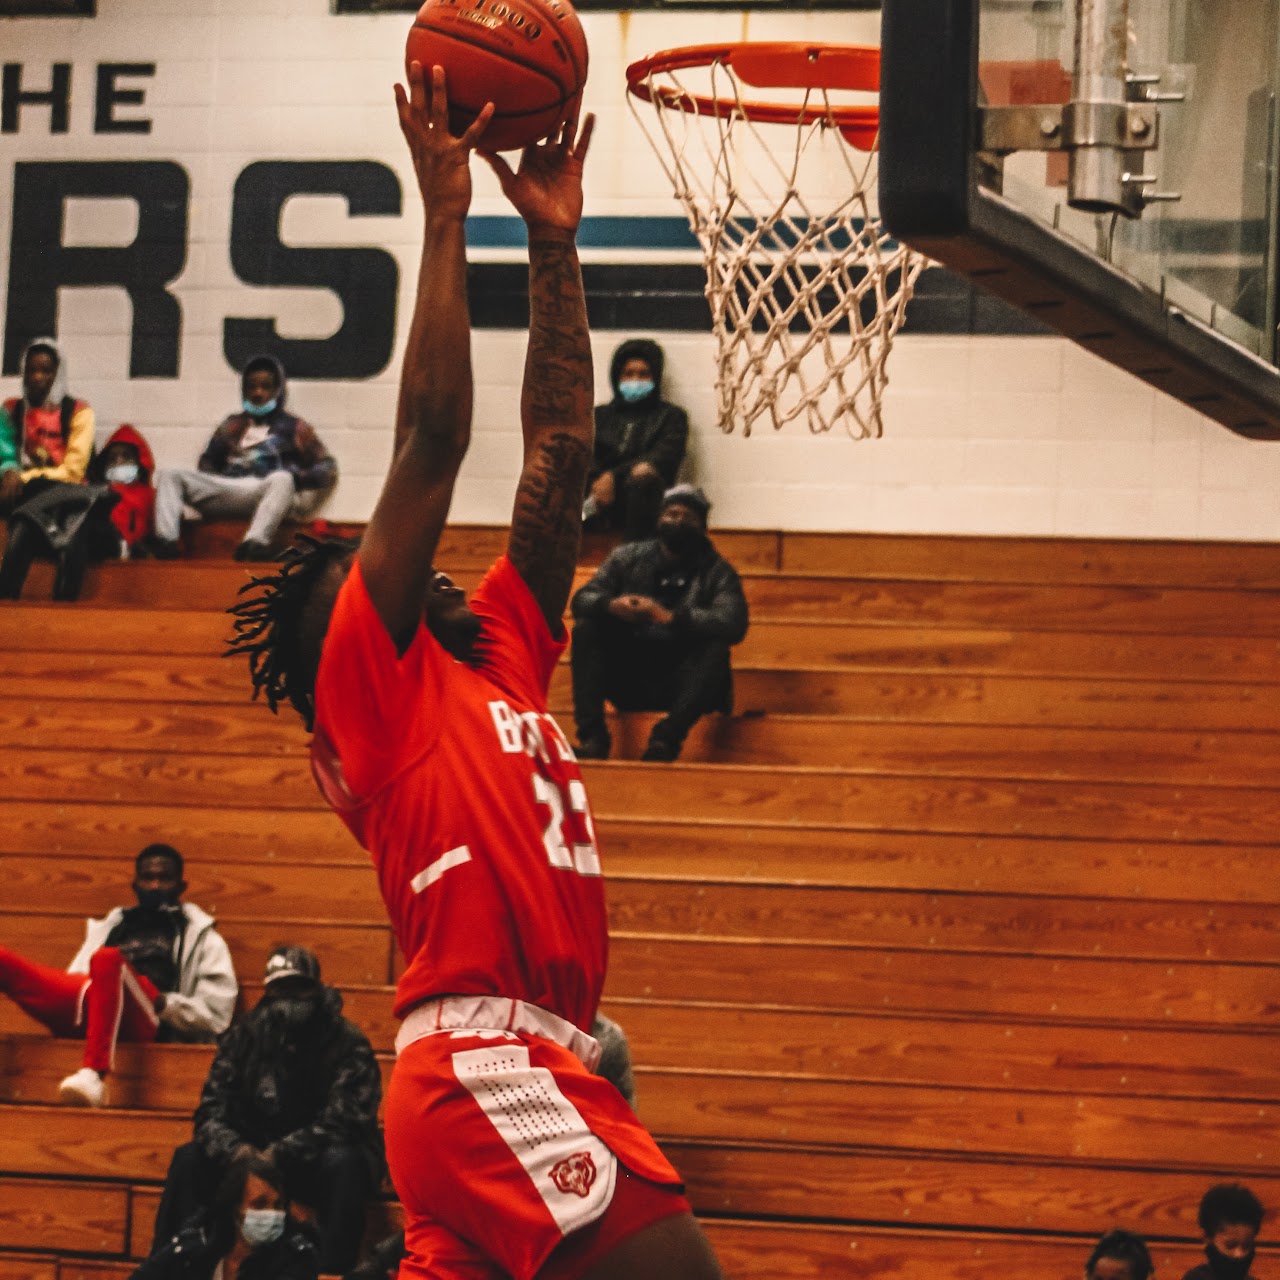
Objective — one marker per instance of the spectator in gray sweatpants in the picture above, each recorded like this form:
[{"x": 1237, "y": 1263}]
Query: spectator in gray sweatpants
[{"x": 262, "y": 464}]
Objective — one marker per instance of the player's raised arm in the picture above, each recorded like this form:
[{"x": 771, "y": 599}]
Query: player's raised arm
[
  {"x": 433, "y": 419},
  {"x": 556, "y": 402}
]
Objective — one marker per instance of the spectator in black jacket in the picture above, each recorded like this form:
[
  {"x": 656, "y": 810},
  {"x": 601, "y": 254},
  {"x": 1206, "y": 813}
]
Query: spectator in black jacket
[
  {"x": 653, "y": 629},
  {"x": 1230, "y": 1217},
  {"x": 640, "y": 443},
  {"x": 296, "y": 1085}
]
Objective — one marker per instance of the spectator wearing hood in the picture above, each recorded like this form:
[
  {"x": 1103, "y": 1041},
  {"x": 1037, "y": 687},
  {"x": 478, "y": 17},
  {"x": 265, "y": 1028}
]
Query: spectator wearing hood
[
  {"x": 157, "y": 970},
  {"x": 127, "y": 464},
  {"x": 45, "y": 434},
  {"x": 262, "y": 464},
  {"x": 46, "y": 441},
  {"x": 640, "y": 443},
  {"x": 653, "y": 628},
  {"x": 297, "y": 1085}
]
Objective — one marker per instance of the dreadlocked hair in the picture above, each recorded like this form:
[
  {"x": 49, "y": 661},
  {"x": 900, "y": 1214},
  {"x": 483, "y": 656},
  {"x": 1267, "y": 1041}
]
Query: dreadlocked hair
[{"x": 269, "y": 624}]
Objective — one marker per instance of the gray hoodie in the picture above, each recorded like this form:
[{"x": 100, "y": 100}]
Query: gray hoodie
[{"x": 202, "y": 1006}]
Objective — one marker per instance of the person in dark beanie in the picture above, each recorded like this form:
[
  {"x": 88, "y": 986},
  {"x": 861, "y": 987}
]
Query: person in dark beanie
[
  {"x": 1230, "y": 1218},
  {"x": 296, "y": 1085},
  {"x": 653, "y": 628},
  {"x": 640, "y": 443}
]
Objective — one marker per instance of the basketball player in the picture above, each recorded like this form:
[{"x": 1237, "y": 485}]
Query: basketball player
[{"x": 433, "y": 743}]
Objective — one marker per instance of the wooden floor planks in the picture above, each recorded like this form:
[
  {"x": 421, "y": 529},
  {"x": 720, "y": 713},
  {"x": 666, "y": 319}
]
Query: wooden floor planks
[{"x": 959, "y": 953}]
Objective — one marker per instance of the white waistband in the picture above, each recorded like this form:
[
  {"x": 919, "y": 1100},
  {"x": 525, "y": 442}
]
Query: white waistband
[{"x": 495, "y": 1013}]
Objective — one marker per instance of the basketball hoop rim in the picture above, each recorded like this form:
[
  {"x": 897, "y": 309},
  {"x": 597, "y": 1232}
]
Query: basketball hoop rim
[{"x": 772, "y": 65}]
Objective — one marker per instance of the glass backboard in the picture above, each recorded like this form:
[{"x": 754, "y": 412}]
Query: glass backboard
[{"x": 1182, "y": 292}]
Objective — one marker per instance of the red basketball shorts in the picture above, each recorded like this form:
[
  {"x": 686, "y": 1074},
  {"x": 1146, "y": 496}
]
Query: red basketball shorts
[{"x": 503, "y": 1147}]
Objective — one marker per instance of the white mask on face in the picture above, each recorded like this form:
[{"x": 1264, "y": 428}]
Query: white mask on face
[
  {"x": 122, "y": 473},
  {"x": 262, "y": 1226}
]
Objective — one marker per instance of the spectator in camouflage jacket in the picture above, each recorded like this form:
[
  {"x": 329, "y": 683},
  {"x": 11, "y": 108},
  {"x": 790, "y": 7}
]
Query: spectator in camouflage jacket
[{"x": 296, "y": 1084}]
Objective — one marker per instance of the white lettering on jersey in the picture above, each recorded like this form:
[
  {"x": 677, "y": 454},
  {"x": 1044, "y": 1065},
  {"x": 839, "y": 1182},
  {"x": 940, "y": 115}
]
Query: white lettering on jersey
[
  {"x": 568, "y": 834},
  {"x": 585, "y": 857},
  {"x": 434, "y": 870},
  {"x": 563, "y": 749},
  {"x": 507, "y": 723},
  {"x": 535, "y": 744},
  {"x": 546, "y": 792}
]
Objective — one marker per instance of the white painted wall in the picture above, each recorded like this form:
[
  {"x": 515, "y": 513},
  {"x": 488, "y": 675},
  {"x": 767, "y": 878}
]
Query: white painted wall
[{"x": 982, "y": 435}]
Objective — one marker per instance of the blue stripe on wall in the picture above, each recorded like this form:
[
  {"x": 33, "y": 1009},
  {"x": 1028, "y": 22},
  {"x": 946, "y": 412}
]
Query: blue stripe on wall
[
  {"x": 670, "y": 296},
  {"x": 500, "y": 232}
]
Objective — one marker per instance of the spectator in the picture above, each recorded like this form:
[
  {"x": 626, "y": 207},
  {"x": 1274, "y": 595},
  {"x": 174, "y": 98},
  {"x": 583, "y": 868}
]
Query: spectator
[
  {"x": 1119, "y": 1255},
  {"x": 1230, "y": 1218},
  {"x": 46, "y": 440},
  {"x": 158, "y": 970},
  {"x": 127, "y": 465},
  {"x": 294, "y": 1084},
  {"x": 46, "y": 434},
  {"x": 615, "y": 1057},
  {"x": 246, "y": 1226},
  {"x": 653, "y": 629},
  {"x": 261, "y": 463},
  {"x": 640, "y": 443}
]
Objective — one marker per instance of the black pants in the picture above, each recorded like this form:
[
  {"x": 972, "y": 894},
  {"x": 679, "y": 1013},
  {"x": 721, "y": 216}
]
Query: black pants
[
  {"x": 634, "y": 509},
  {"x": 96, "y": 539},
  {"x": 338, "y": 1187},
  {"x": 636, "y": 671}
]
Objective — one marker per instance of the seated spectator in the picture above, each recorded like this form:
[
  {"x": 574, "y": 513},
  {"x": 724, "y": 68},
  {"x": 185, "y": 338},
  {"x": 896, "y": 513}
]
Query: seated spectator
[
  {"x": 653, "y": 628},
  {"x": 1230, "y": 1218},
  {"x": 262, "y": 464},
  {"x": 46, "y": 440},
  {"x": 640, "y": 443},
  {"x": 293, "y": 1084},
  {"x": 246, "y": 1227},
  {"x": 127, "y": 465},
  {"x": 158, "y": 970},
  {"x": 615, "y": 1057},
  {"x": 1119, "y": 1255}
]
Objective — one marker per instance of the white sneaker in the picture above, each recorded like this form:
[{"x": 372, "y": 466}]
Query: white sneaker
[{"x": 84, "y": 1088}]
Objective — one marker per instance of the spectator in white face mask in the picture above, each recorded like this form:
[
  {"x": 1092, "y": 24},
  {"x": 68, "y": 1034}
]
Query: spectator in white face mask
[{"x": 246, "y": 1232}]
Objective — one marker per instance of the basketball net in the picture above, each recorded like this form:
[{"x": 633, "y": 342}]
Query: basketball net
[{"x": 806, "y": 291}]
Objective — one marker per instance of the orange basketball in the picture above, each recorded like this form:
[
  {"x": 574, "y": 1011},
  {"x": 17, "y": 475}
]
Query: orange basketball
[{"x": 527, "y": 57}]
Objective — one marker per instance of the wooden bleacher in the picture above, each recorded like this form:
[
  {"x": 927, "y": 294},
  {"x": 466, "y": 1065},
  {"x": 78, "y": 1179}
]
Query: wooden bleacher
[{"x": 952, "y": 949}]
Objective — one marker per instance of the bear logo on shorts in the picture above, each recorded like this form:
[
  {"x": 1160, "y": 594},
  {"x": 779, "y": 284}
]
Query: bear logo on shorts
[{"x": 575, "y": 1174}]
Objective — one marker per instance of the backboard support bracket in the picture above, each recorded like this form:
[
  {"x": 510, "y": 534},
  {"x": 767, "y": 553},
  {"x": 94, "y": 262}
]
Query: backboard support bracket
[{"x": 931, "y": 154}]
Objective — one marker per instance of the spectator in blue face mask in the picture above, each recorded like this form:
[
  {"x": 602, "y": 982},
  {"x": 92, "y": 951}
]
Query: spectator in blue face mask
[
  {"x": 262, "y": 464},
  {"x": 640, "y": 443}
]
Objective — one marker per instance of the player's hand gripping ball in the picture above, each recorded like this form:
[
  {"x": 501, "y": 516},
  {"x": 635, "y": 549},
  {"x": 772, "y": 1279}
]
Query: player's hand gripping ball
[{"x": 527, "y": 57}]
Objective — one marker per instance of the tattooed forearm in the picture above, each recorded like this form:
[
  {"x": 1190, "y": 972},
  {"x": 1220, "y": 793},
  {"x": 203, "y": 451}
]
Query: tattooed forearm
[
  {"x": 546, "y": 524},
  {"x": 558, "y": 380},
  {"x": 558, "y": 422}
]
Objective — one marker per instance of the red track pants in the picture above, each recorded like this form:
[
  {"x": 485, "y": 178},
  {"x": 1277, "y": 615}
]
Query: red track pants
[{"x": 111, "y": 1003}]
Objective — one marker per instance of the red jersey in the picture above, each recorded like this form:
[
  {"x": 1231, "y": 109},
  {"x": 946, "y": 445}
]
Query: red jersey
[{"x": 469, "y": 798}]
